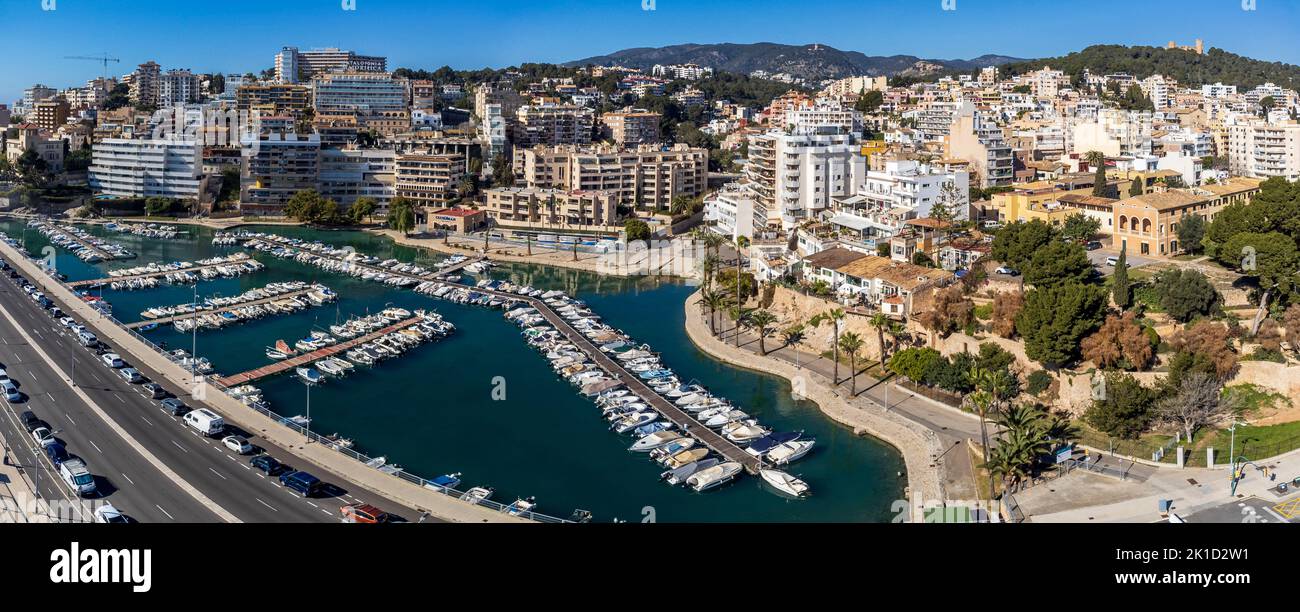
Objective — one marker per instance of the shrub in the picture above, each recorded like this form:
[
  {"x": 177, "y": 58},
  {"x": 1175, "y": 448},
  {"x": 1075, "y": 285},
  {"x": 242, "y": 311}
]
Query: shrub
[{"x": 1038, "y": 382}]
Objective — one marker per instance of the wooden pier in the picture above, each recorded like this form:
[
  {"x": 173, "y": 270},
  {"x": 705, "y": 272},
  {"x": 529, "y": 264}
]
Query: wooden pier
[
  {"x": 283, "y": 366},
  {"x": 218, "y": 311},
  {"x": 95, "y": 282}
]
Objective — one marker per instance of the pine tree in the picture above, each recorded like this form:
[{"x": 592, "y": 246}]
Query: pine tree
[
  {"x": 1121, "y": 290},
  {"x": 1135, "y": 189},
  {"x": 1100, "y": 188}
]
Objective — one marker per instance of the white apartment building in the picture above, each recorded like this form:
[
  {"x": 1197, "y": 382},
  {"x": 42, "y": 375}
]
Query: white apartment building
[
  {"x": 1115, "y": 133},
  {"x": 1258, "y": 149},
  {"x": 348, "y": 174},
  {"x": 905, "y": 190},
  {"x": 293, "y": 66},
  {"x": 127, "y": 168},
  {"x": 1189, "y": 142},
  {"x": 934, "y": 120},
  {"x": 735, "y": 211},
  {"x": 1218, "y": 90},
  {"x": 825, "y": 116},
  {"x": 274, "y": 168},
  {"x": 177, "y": 87},
  {"x": 1160, "y": 90},
  {"x": 689, "y": 72},
  {"x": 797, "y": 175},
  {"x": 357, "y": 92}
]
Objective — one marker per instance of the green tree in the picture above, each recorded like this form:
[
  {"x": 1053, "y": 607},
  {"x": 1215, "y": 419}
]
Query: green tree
[
  {"x": 401, "y": 215},
  {"x": 362, "y": 208},
  {"x": 1058, "y": 263},
  {"x": 714, "y": 301},
  {"x": 761, "y": 321},
  {"x": 1016, "y": 243},
  {"x": 1121, "y": 407},
  {"x": 1185, "y": 294},
  {"x": 1191, "y": 232},
  {"x": 636, "y": 229},
  {"x": 1121, "y": 289},
  {"x": 1080, "y": 228},
  {"x": 793, "y": 337},
  {"x": 1055, "y": 320},
  {"x": 834, "y": 317},
  {"x": 851, "y": 344},
  {"x": 916, "y": 364},
  {"x": 1135, "y": 188}
]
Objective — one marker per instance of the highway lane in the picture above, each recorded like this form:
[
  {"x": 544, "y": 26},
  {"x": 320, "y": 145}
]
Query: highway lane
[{"x": 203, "y": 463}]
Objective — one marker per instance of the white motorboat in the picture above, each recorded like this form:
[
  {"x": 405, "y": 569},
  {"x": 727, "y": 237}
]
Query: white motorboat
[
  {"x": 477, "y": 495},
  {"x": 634, "y": 421},
  {"x": 653, "y": 441},
  {"x": 785, "y": 483},
  {"x": 747, "y": 433},
  {"x": 276, "y": 355},
  {"x": 685, "y": 457},
  {"x": 719, "y": 420},
  {"x": 790, "y": 451},
  {"x": 521, "y": 506},
  {"x": 714, "y": 476}
]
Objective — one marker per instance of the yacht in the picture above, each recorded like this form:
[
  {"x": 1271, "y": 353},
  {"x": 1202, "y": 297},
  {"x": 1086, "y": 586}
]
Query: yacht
[
  {"x": 785, "y": 483},
  {"x": 328, "y": 367},
  {"x": 653, "y": 441},
  {"x": 310, "y": 376},
  {"x": 679, "y": 475},
  {"x": 685, "y": 457},
  {"x": 761, "y": 446},
  {"x": 746, "y": 433},
  {"x": 790, "y": 451},
  {"x": 634, "y": 421},
  {"x": 674, "y": 447},
  {"x": 275, "y": 354},
  {"x": 714, "y": 476}
]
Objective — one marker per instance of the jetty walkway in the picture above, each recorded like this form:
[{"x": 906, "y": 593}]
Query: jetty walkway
[
  {"x": 95, "y": 282},
  {"x": 198, "y": 313},
  {"x": 280, "y": 367}
]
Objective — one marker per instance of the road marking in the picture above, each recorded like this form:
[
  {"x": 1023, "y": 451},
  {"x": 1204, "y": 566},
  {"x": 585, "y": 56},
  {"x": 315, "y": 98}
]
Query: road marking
[
  {"x": 92, "y": 443},
  {"x": 165, "y": 512},
  {"x": 69, "y": 417},
  {"x": 179, "y": 446},
  {"x": 118, "y": 398},
  {"x": 312, "y": 505},
  {"x": 128, "y": 478},
  {"x": 217, "y": 473},
  {"x": 265, "y": 504},
  {"x": 147, "y": 421}
]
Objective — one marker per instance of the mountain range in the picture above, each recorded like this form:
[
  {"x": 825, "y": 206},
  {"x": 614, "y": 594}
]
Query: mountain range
[{"x": 814, "y": 62}]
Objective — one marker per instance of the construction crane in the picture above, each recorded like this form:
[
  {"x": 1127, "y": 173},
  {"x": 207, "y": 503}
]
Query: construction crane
[{"x": 103, "y": 59}]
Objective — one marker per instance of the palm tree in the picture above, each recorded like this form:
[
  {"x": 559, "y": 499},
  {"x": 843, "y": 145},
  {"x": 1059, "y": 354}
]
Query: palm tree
[
  {"x": 851, "y": 343},
  {"x": 980, "y": 402},
  {"x": 794, "y": 336},
  {"x": 739, "y": 318},
  {"x": 742, "y": 243},
  {"x": 834, "y": 316},
  {"x": 714, "y": 301},
  {"x": 709, "y": 268},
  {"x": 762, "y": 322},
  {"x": 880, "y": 322}
]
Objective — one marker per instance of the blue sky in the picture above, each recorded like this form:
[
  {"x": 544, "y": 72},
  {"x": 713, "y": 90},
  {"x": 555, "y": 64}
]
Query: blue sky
[{"x": 243, "y": 35}]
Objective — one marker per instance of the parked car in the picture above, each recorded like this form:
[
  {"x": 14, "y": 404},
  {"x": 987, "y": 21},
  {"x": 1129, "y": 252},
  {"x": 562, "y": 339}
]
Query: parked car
[
  {"x": 11, "y": 391},
  {"x": 237, "y": 444},
  {"x": 3, "y": 375},
  {"x": 130, "y": 375},
  {"x": 30, "y": 421},
  {"x": 112, "y": 360},
  {"x": 1112, "y": 261},
  {"x": 174, "y": 406},
  {"x": 77, "y": 475},
  {"x": 364, "y": 513},
  {"x": 43, "y": 436},
  {"x": 108, "y": 514},
  {"x": 57, "y": 453},
  {"x": 269, "y": 465},
  {"x": 1094, "y": 245},
  {"x": 1008, "y": 271},
  {"x": 155, "y": 390}
]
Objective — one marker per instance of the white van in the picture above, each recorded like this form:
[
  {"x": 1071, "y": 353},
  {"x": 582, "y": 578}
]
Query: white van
[
  {"x": 87, "y": 339},
  {"x": 205, "y": 422},
  {"x": 75, "y": 473}
]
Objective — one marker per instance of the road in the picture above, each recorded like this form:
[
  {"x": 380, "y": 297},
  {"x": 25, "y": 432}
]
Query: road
[{"x": 119, "y": 453}]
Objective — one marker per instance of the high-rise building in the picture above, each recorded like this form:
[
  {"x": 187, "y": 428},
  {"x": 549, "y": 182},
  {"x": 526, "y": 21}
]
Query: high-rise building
[
  {"x": 552, "y": 208},
  {"x": 429, "y": 180},
  {"x": 552, "y": 124},
  {"x": 276, "y": 166},
  {"x": 145, "y": 85},
  {"x": 348, "y": 174},
  {"x": 294, "y": 66},
  {"x": 631, "y": 128},
  {"x": 646, "y": 177},
  {"x": 141, "y": 168},
  {"x": 796, "y": 175},
  {"x": 975, "y": 138},
  {"x": 1259, "y": 149},
  {"x": 178, "y": 87},
  {"x": 50, "y": 113},
  {"x": 357, "y": 92},
  {"x": 273, "y": 99}
]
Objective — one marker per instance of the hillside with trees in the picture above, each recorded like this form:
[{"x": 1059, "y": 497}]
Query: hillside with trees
[{"x": 1216, "y": 66}]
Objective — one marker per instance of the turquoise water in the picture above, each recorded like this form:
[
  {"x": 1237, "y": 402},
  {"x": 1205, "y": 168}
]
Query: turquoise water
[{"x": 433, "y": 411}]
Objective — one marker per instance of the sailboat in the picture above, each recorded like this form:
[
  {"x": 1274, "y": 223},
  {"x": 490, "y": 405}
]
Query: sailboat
[{"x": 283, "y": 347}]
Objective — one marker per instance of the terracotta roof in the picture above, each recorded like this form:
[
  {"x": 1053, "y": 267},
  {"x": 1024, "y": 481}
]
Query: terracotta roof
[
  {"x": 1168, "y": 200},
  {"x": 833, "y": 258},
  {"x": 1233, "y": 185},
  {"x": 904, "y": 275},
  {"x": 1082, "y": 199}
]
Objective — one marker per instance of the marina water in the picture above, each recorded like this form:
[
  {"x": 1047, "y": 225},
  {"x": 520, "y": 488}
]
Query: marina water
[{"x": 483, "y": 403}]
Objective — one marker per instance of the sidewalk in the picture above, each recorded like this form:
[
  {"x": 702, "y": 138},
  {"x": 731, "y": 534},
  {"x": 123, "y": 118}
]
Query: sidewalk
[
  {"x": 16, "y": 497},
  {"x": 417, "y": 497},
  {"x": 922, "y": 450}
]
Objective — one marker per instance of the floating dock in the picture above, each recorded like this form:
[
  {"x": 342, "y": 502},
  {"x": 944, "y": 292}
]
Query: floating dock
[
  {"x": 286, "y": 365},
  {"x": 217, "y": 311},
  {"x": 95, "y": 282}
]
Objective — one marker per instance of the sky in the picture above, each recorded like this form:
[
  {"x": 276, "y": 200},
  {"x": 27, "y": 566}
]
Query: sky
[{"x": 244, "y": 35}]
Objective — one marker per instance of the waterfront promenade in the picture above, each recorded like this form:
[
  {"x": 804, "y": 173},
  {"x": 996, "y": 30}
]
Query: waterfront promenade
[{"x": 925, "y": 453}]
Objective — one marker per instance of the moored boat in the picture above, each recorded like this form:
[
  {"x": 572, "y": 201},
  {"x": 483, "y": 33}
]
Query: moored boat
[{"x": 785, "y": 483}]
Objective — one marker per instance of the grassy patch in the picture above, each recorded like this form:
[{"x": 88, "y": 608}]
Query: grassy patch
[
  {"x": 984, "y": 312},
  {"x": 1254, "y": 398},
  {"x": 1148, "y": 297}
]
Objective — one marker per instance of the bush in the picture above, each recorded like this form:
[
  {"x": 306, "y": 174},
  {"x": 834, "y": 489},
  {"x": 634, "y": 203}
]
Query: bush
[
  {"x": 916, "y": 364},
  {"x": 984, "y": 312},
  {"x": 1038, "y": 382}
]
